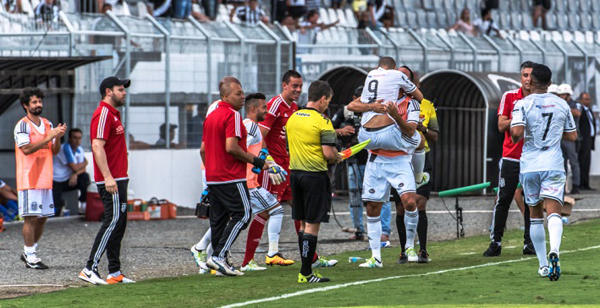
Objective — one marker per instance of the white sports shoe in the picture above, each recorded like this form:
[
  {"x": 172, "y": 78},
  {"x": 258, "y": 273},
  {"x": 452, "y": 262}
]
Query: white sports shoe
[
  {"x": 91, "y": 277},
  {"x": 544, "y": 271},
  {"x": 252, "y": 266},
  {"x": 412, "y": 255},
  {"x": 372, "y": 263},
  {"x": 222, "y": 267},
  {"x": 200, "y": 258},
  {"x": 324, "y": 262},
  {"x": 425, "y": 179}
]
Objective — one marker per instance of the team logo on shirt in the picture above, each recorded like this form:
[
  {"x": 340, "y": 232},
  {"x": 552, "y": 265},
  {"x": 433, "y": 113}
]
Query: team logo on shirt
[
  {"x": 372, "y": 191},
  {"x": 401, "y": 185},
  {"x": 51, "y": 206},
  {"x": 502, "y": 183},
  {"x": 34, "y": 206},
  {"x": 119, "y": 130},
  {"x": 123, "y": 207}
]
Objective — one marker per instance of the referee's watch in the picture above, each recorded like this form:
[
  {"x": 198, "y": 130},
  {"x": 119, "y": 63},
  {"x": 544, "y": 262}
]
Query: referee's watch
[{"x": 426, "y": 131}]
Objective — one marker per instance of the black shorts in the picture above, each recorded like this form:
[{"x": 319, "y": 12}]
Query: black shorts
[
  {"x": 424, "y": 190},
  {"x": 311, "y": 194},
  {"x": 546, "y": 4},
  {"x": 228, "y": 199},
  {"x": 297, "y": 11}
]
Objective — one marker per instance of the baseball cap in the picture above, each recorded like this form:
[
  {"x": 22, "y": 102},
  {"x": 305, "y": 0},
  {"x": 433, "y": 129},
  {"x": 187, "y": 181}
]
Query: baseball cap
[
  {"x": 112, "y": 81},
  {"x": 553, "y": 88},
  {"x": 565, "y": 89}
]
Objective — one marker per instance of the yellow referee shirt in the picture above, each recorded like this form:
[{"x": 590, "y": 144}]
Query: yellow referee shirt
[
  {"x": 307, "y": 130},
  {"x": 428, "y": 118}
]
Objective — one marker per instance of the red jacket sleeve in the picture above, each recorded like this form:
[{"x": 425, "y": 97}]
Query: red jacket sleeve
[
  {"x": 233, "y": 125},
  {"x": 101, "y": 125},
  {"x": 270, "y": 117}
]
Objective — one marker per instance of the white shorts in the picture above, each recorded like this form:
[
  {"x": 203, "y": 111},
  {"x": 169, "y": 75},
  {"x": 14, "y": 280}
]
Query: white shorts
[
  {"x": 261, "y": 200},
  {"x": 543, "y": 184},
  {"x": 36, "y": 202},
  {"x": 380, "y": 177},
  {"x": 390, "y": 138}
]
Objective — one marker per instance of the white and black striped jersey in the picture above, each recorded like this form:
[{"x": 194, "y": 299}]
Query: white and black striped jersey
[{"x": 249, "y": 16}]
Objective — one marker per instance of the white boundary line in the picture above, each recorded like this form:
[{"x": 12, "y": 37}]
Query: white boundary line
[
  {"x": 32, "y": 285},
  {"x": 356, "y": 283}
]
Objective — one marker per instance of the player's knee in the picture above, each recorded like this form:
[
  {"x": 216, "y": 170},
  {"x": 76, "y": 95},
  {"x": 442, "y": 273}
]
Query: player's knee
[{"x": 422, "y": 143}]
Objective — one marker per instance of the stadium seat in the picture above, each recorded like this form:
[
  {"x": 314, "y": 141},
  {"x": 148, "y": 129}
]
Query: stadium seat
[
  {"x": 324, "y": 16},
  {"x": 421, "y": 19},
  {"x": 559, "y": 5},
  {"x": 432, "y": 20},
  {"x": 342, "y": 18},
  {"x": 448, "y": 5},
  {"x": 333, "y": 17},
  {"x": 561, "y": 21},
  {"x": 428, "y": 4},
  {"x": 351, "y": 18},
  {"x": 584, "y": 6},
  {"x": 34, "y": 4},
  {"x": 527, "y": 21},
  {"x": 401, "y": 18},
  {"x": 595, "y": 24},
  {"x": 515, "y": 20},
  {"x": 27, "y": 8},
  {"x": 452, "y": 18},
  {"x": 438, "y": 5},
  {"x": 411, "y": 21},
  {"x": 573, "y": 22},
  {"x": 142, "y": 9},
  {"x": 550, "y": 20},
  {"x": 442, "y": 19},
  {"x": 595, "y": 6},
  {"x": 572, "y": 6},
  {"x": 584, "y": 21},
  {"x": 505, "y": 21},
  {"x": 459, "y": 5}
]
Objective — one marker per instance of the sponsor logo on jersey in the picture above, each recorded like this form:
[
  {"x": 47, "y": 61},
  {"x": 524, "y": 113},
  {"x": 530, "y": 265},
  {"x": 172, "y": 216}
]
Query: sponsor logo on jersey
[
  {"x": 372, "y": 191},
  {"x": 34, "y": 206},
  {"x": 401, "y": 185}
]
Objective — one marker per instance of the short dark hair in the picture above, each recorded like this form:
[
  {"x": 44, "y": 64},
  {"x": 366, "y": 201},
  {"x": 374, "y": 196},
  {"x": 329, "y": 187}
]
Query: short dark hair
[
  {"x": 318, "y": 89},
  {"x": 541, "y": 75},
  {"x": 358, "y": 91},
  {"x": 310, "y": 14},
  {"x": 388, "y": 62},
  {"x": 26, "y": 95},
  {"x": 289, "y": 74},
  {"x": 252, "y": 98},
  {"x": 412, "y": 75},
  {"x": 75, "y": 130},
  {"x": 527, "y": 64},
  {"x": 484, "y": 11}
]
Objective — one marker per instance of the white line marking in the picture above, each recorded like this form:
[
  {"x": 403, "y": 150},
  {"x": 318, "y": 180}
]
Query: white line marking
[
  {"x": 31, "y": 285},
  {"x": 356, "y": 283},
  {"x": 467, "y": 253},
  {"x": 510, "y": 247}
]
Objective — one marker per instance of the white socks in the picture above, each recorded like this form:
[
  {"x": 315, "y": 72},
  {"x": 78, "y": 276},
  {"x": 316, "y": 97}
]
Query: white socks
[
  {"x": 418, "y": 162},
  {"x": 30, "y": 253},
  {"x": 411, "y": 219},
  {"x": 555, "y": 230},
  {"x": 205, "y": 241},
  {"x": 274, "y": 229},
  {"x": 374, "y": 233},
  {"x": 538, "y": 237}
]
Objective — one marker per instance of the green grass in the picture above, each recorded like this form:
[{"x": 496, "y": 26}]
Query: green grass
[{"x": 506, "y": 284}]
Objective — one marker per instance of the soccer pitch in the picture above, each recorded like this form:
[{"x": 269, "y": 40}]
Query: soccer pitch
[{"x": 457, "y": 275}]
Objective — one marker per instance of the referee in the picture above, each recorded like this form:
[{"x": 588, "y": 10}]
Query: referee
[
  {"x": 110, "y": 174},
  {"x": 312, "y": 141}
]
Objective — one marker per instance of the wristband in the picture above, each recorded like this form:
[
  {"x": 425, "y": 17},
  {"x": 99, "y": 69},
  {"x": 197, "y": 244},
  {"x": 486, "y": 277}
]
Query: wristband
[{"x": 258, "y": 162}]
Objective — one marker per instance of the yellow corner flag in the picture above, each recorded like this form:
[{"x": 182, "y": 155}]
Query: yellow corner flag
[{"x": 347, "y": 153}]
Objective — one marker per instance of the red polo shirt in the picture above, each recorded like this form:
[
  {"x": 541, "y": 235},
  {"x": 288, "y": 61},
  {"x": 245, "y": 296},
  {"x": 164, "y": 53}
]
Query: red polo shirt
[
  {"x": 510, "y": 150},
  {"x": 222, "y": 168},
  {"x": 106, "y": 125}
]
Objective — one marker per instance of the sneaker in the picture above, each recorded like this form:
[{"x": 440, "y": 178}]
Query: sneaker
[
  {"x": 386, "y": 244},
  {"x": 312, "y": 278},
  {"x": 554, "y": 271},
  {"x": 425, "y": 179},
  {"x": 278, "y": 259},
  {"x": 412, "y": 255},
  {"x": 372, "y": 263},
  {"x": 252, "y": 266},
  {"x": 494, "y": 250},
  {"x": 36, "y": 264},
  {"x": 528, "y": 249},
  {"x": 199, "y": 257},
  {"x": 544, "y": 271},
  {"x": 575, "y": 190},
  {"x": 220, "y": 266},
  {"x": 423, "y": 257},
  {"x": 91, "y": 276},
  {"x": 402, "y": 258},
  {"x": 324, "y": 262},
  {"x": 119, "y": 279}
]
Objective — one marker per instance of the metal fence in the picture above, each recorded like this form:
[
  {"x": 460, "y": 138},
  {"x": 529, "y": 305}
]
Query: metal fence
[{"x": 175, "y": 65}]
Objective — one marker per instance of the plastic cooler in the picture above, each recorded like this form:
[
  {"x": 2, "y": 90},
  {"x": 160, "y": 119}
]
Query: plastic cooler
[{"x": 94, "y": 209}]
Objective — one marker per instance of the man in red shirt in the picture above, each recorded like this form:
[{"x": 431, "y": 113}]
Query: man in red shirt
[
  {"x": 110, "y": 174},
  {"x": 225, "y": 155},
  {"x": 510, "y": 168}
]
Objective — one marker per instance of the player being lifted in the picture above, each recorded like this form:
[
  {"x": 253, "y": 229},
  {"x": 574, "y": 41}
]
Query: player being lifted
[
  {"x": 392, "y": 129},
  {"x": 542, "y": 120},
  {"x": 279, "y": 109}
]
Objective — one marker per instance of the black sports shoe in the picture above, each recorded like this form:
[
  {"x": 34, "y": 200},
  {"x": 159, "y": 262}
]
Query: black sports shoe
[
  {"x": 423, "y": 257},
  {"x": 554, "y": 273},
  {"x": 528, "y": 249},
  {"x": 37, "y": 264},
  {"x": 493, "y": 251},
  {"x": 574, "y": 191},
  {"x": 402, "y": 258}
]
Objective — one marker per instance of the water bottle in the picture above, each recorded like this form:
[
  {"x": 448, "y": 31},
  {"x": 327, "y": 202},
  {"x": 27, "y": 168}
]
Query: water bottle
[
  {"x": 66, "y": 212},
  {"x": 356, "y": 259},
  {"x": 565, "y": 220}
]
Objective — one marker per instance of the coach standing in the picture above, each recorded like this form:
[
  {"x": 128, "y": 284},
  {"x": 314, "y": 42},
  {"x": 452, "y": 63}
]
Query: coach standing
[
  {"x": 225, "y": 155},
  {"x": 110, "y": 173},
  {"x": 312, "y": 141}
]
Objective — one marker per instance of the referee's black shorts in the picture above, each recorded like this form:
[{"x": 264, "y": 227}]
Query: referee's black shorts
[
  {"x": 424, "y": 190},
  {"x": 311, "y": 194}
]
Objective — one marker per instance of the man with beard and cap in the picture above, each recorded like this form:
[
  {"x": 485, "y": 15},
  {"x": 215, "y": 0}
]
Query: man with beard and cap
[
  {"x": 110, "y": 174},
  {"x": 35, "y": 143}
]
